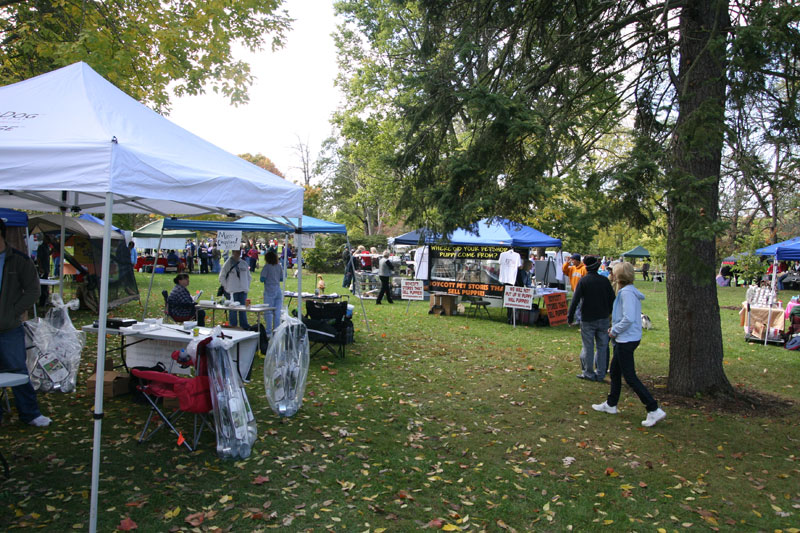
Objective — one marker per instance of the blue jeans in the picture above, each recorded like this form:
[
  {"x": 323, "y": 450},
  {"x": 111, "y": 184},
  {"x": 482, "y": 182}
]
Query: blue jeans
[
  {"x": 594, "y": 334},
  {"x": 239, "y": 318},
  {"x": 12, "y": 360},
  {"x": 622, "y": 365},
  {"x": 272, "y": 319}
]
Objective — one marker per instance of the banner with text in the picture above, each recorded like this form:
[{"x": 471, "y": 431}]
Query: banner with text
[
  {"x": 465, "y": 288},
  {"x": 450, "y": 251},
  {"x": 412, "y": 289},
  {"x": 557, "y": 309},
  {"x": 229, "y": 240},
  {"x": 518, "y": 297}
]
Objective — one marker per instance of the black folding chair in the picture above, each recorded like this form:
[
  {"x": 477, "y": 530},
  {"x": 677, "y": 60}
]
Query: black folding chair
[{"x": 328, "y": 326}]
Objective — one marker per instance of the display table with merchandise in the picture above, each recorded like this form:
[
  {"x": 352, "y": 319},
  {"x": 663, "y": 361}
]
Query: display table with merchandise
[{"x": 754, "y": 319}]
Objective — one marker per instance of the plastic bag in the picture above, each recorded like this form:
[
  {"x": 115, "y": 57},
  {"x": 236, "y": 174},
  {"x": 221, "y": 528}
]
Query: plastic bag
[
  {"x": 286, "y": 366},
  {"x": 233, "y": 417},
  {"x": 54, "y": 348}
]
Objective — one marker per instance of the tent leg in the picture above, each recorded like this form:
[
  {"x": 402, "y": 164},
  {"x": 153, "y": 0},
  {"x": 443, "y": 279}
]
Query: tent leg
[
  {"x": 101, "y": 356},
  {"x": 153, "y": 274}
]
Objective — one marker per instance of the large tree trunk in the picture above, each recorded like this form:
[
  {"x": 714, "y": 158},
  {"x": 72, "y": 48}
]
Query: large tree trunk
[{"x": 695, "y": 364}]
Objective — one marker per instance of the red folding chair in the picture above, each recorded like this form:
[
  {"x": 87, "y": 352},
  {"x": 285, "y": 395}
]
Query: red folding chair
[{"x": 193, "y": 395}]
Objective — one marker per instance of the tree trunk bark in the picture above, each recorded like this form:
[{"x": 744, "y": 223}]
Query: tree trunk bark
[{"x": 695, "y": 364}]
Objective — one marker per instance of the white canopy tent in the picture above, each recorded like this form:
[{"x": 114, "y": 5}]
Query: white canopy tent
[{"x": 70, "y": 140}]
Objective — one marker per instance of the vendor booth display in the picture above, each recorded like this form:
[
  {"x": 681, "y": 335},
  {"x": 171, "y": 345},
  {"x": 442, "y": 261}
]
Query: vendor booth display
[
  {"x": 74, "y": 142},
  {"x": 86, "y": 239},
  {"x": 467, "y": 262}
]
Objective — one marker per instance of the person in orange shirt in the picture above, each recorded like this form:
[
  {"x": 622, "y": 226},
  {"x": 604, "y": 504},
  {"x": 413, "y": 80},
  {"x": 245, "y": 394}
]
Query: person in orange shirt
[{"x": 574, "y": 270}]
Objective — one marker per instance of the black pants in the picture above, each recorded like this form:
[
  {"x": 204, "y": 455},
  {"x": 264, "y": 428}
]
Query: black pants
[
  {"x": 645, "y": 275},
  {"x": 623, "y": 366},
  {"x": 385, "y": 289},
  {"x": 203, "y": 265}
]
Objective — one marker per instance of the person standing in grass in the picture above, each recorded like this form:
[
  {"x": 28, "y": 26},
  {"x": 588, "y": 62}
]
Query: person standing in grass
[
  {"x": 626, "y": 334},
  {"x": 271, "y": 277},
  {"x": 385, "y": 270},
  {"x": 595, "y": 297}
]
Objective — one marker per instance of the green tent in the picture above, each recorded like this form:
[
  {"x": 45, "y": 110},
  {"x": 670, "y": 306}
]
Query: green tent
[
  {"x": 637, "y": 252},
  {"x": 173, "y": 239}
]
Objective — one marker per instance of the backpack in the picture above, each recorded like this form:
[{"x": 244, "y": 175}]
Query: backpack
[{"x": 793, "y": 343}]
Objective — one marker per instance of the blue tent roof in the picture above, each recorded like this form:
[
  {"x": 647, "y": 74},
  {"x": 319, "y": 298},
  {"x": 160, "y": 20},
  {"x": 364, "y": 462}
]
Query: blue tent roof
[
  {"x": 14, "y": 219},
  {"x": 92, "y": 218},
  {"x": 256, "y": 224},
  {"x": 772, "y": 248},
  {"x": 788, "y": 252},
  {"x": 501, "y": 232}
]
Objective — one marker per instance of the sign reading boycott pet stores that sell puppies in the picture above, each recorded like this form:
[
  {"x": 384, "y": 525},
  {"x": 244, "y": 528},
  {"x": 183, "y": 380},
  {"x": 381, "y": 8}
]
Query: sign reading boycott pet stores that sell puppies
[
  {"x": 557, "y": 309},
  {"x": 411, "y": 289}
]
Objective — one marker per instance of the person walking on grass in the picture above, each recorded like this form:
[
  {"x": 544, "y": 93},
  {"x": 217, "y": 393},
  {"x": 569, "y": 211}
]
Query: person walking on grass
[
  {"x": 626, "y": 334},
  {"x": 385, "y": 269}
]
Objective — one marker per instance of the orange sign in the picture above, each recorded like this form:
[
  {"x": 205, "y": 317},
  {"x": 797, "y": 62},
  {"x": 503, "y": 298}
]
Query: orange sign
[{"x": 557, "y": 309}]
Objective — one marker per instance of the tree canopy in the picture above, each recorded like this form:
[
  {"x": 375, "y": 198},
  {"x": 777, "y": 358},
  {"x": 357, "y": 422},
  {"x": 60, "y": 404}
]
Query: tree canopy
[
  {"x": 511, "y": 108},
  {"x": 148, "y": 49}
]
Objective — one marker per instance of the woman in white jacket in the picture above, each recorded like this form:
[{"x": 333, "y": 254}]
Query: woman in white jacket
[{"x": 626, "y": 333}]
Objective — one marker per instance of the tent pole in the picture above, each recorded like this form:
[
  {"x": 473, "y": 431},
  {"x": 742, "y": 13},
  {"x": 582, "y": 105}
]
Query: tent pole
[
  {"x": 355, "y": 284},
  {"x": 101, "y": 356},
  {"x": 298, "y": 241},
  {"x": 61, "y": 257},
  {"x": 284, "y": 259},
  {"x": 153, "y": 272},
  {"x": 771, "y": 292}
]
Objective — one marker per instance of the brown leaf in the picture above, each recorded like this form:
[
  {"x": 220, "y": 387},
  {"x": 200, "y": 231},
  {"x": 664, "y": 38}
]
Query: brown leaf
[
  {"x": 260, "y": 480},
  {"x": 195, "y": 519},
  {"x": 436, "y": 523},
  {"x": 127, "y": 524}
]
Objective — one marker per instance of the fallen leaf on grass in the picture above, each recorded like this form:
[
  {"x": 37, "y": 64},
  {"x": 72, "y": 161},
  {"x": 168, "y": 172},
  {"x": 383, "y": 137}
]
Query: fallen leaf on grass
[
  {"x": 436, "y": 523},
  {"x": 195, "y": 519},
  {"x": 127, "y": 524},
  {"x": 260, "y": 480}
]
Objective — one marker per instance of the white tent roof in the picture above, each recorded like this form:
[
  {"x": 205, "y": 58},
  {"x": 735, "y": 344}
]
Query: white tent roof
[
  {"x": 71, "y": 130},
  {"x": 71, "y": 139}
]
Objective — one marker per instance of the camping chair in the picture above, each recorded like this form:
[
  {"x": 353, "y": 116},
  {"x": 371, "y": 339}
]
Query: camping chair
[
  {"x": 475, "y": 305},
  {"x": 193, "y": 395},
  {"x": 794, "y": 325},
  {"x": 169, "y": 315},
  {"x": 328, "y": 326}
]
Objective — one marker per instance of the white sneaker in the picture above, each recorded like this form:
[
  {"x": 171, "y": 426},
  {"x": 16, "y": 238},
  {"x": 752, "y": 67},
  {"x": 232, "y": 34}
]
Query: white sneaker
[
  {"x": 40, "y": 421},
  {"x": 653, "y": 417},
  {"x": 604, "y": 408}
]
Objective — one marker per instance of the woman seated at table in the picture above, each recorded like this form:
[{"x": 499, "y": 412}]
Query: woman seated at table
[{"x": 181, "y": 305}]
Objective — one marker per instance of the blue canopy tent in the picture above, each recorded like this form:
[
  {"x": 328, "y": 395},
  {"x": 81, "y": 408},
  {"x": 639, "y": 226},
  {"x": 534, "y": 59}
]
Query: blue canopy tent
[
  {"x": 788, "y": 252},
  {"x": 18, "y": 236},
  {"x": 501, "y": 232},
  {"x": 92, "y": 218},
  {"x": 305, "y": 224},
  {"x": 769, "y": 251},
  {"x": 491, "y": 235}
]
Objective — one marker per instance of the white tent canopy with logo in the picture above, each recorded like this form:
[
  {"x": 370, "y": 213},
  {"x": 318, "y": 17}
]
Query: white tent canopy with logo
[{"x": 71, "y": 141}]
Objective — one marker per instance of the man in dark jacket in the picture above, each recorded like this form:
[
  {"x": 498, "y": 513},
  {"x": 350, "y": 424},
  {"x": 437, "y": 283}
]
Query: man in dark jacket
[
  {"x": 595, "y": 296},
  {"x": 19, "y": 290}
]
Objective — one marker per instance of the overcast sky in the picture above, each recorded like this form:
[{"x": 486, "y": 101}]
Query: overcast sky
[{"x": 293, "y": 95}]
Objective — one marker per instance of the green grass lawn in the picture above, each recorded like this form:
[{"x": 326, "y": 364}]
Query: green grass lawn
[{"x": 446, "y": 422}]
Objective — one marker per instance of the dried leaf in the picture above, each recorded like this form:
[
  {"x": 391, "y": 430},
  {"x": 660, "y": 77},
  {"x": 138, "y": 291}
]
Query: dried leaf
[{"x": 127, "y": 524}]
